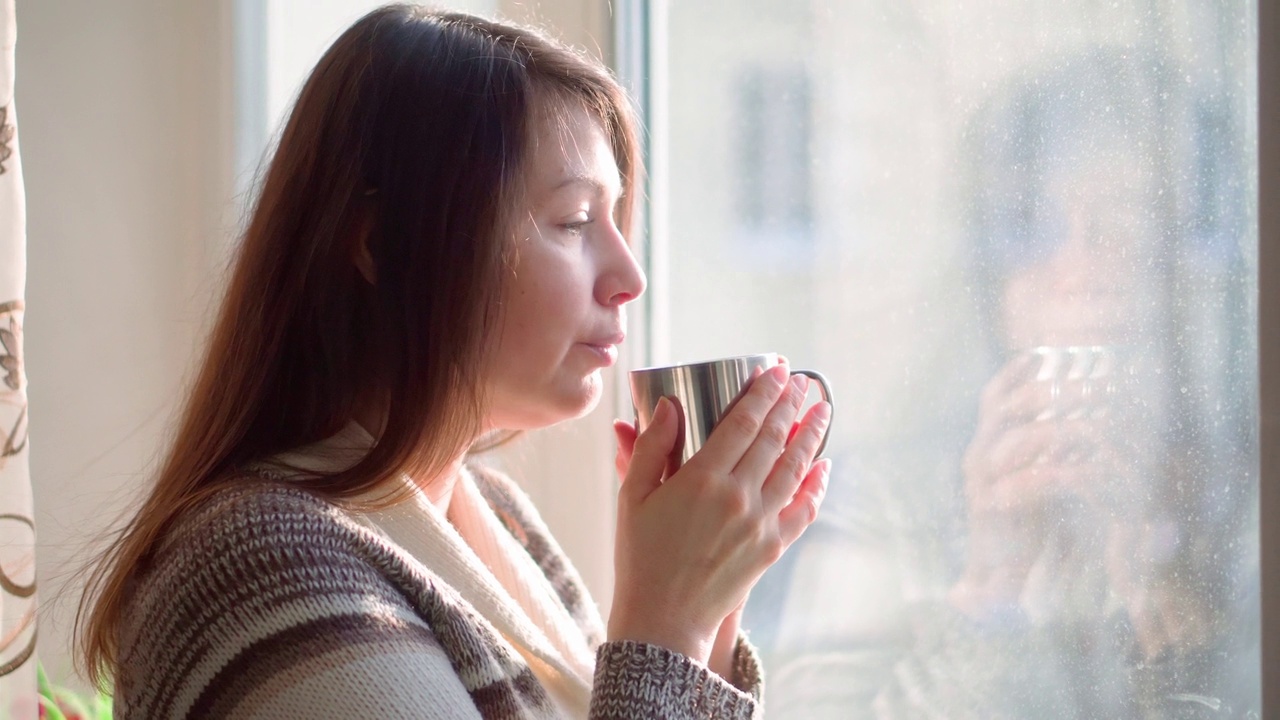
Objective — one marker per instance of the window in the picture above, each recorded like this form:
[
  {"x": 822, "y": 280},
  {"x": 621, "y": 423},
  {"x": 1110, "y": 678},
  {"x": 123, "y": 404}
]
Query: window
[
  {"x": 277, "y": 43},
  {"x": 1022, "y": 241},
  {"x": 774, "y": 210}
]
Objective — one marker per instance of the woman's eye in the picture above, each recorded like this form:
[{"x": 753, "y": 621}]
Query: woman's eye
[{"x": 575, "y": 227}]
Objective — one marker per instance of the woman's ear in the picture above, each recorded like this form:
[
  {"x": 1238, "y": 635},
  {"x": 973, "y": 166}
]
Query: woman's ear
[
  {"x": 364, "y": 260},
  {"x": 363, "y": 257}
]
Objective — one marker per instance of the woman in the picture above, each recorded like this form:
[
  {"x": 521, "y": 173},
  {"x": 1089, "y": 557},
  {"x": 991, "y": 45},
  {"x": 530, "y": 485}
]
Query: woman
[{"x": 438, "y": 255}]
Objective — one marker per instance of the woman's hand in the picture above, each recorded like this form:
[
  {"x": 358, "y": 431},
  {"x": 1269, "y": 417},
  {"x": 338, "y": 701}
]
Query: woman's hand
[
  {"x": 1040, "y": 448},
  {"x": 690, "y": 546},
  {"x": 726, "y": 640},
  {"x": 1019, "y": 459}
]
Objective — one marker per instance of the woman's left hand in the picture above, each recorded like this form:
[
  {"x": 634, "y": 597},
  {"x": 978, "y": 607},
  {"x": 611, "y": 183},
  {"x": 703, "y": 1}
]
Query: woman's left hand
[{"x": 721, "y": 660}]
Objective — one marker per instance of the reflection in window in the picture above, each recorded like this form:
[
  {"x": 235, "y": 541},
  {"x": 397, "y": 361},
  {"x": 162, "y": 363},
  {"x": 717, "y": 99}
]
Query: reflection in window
[{"x": 1033, "y": 291}]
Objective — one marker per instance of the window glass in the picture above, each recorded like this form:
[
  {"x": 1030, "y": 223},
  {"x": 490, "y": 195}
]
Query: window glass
[
  {"x": 1020, "y": 238},
  {"x": 277, "y": 45}
]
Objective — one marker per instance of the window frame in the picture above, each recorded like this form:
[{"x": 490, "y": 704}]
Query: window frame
[{"x": 1269, "y": 347}]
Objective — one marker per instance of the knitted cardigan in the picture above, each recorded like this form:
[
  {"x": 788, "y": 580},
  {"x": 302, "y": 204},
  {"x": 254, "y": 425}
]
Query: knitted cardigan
[{"x": 267, "y": 601}]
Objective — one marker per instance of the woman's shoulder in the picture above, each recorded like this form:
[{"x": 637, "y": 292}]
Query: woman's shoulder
[
  {"x": 268, "y": 600},
  {"x": 247, "y": 510},
  {"x": 245, "y": 538},
  {"x": 258, "y": 582}
]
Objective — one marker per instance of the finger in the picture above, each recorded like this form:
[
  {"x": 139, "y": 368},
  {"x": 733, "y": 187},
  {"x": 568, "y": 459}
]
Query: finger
[
  {"x": 1021, "y": 369},
  {"x": 1029, "y": 401},
  {"x": 1074, "y": 445},
  {"x": 739, "y": 427},
  {"x": 625, "y": 432},
  {"x": 803, "y": 508},
  {"x": 989, "y": 458},
  {"x": 1013, "y": 396},
  {"x": 772, "y": 439},
  {"x": 1018, "y": 448},
  {"x": 1030, "y": 487},
  {"x": 652, "y": 448},
  {"x": 755, "y": 373},
  {"x": 1065, "y": 443},
  {"x": 797, "y": 460}
]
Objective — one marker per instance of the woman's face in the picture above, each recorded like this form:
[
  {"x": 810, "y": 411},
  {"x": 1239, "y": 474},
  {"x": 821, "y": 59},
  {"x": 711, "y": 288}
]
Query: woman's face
[
  {"x": 573, "y": 272},
  {"x": 1098, "y": 286}
]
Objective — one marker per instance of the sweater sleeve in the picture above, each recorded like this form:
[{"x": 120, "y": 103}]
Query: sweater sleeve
[
  {"x": 641, "y": 681},
  {"x": 258, "y": 612}
]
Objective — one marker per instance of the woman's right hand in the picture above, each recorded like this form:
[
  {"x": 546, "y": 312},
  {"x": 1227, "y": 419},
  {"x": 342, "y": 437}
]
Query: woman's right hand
[
  {"x": 691, "y": 546},
  {"x": 1037, "y": 443}
]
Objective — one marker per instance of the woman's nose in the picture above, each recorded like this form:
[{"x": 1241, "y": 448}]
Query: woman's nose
[{"x": 622, "y": 279}]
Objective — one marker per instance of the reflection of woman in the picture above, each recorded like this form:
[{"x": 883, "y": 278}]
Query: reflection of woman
[
  {"x": 1098, "y": 572},
  {"x": 1087, "y": 516},
  {"x": 438, "y": 253}
]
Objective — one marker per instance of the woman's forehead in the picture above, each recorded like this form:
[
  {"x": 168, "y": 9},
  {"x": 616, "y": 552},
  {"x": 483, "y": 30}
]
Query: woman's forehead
[{"x": 570, "y": 146}]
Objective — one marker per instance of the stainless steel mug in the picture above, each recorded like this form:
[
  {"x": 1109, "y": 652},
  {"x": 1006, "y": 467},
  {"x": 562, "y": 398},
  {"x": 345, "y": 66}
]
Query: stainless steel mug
[{"x": 704, "y": 392}]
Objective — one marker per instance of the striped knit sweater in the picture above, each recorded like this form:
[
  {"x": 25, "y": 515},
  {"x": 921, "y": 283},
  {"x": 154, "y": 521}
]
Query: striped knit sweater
[{"x": 269, "y": 602}]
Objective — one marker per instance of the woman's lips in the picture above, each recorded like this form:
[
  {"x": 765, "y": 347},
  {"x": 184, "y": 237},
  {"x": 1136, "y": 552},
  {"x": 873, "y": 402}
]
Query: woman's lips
[
  {"x": 605, "y": 348},
  {"x": 606, "y": 354}
]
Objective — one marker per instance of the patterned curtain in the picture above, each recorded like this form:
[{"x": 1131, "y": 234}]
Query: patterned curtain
[{"x": 17, "y": 529}]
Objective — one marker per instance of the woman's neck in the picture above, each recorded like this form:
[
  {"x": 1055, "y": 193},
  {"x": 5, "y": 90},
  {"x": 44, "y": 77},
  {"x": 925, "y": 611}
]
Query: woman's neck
[{"x": 439, "y": 487}]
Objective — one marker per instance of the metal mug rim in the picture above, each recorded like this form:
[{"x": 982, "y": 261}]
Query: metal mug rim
[{"x": 704, "y": 363}]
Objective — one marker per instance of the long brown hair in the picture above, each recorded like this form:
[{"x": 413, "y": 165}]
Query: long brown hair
[{"x": 409, "y": 139}]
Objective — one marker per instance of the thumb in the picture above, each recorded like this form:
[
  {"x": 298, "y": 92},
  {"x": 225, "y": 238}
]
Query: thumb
[
  {"x": 652, "y": 448},
  {"x": 626, "y": 435}
]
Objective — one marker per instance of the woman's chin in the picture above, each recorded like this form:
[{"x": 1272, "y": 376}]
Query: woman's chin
[
  {"x": 584, "y": 400},
  {"x": 569, "y": 404}
]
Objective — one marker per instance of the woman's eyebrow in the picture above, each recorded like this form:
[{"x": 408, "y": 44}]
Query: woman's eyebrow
[{"x": 591, "y": 182}]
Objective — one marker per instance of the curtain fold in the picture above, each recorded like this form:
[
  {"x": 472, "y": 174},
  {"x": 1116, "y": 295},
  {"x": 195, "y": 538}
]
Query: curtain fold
[{"x": 17, "y": 527}]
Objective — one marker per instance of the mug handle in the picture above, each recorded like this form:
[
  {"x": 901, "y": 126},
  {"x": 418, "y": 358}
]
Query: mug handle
[{"x": 825, "y": 387}]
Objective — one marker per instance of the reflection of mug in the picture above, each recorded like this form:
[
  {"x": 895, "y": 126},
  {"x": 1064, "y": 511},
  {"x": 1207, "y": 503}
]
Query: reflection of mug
[
  {"x": 704, "y": 391},
  {"x": 1082, "y": 380}
]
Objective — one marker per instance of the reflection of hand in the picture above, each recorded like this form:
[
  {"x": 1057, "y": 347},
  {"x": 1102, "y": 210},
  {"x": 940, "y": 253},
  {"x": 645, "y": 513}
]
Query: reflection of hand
[
  {"x": 692, "y": 545},
  {"x": 1142, "y": 567},
  {"x": 1039, "y": 443}
]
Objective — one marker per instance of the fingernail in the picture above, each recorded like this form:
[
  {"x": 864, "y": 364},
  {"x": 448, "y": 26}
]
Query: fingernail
[
  {"x": 661, "y": 412},
  {"x": 822, "y": 411},
  {"x": 798, "y": 382},
  {"x": 779, "y": 374},
  {"x": 825, "y": 472}
]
